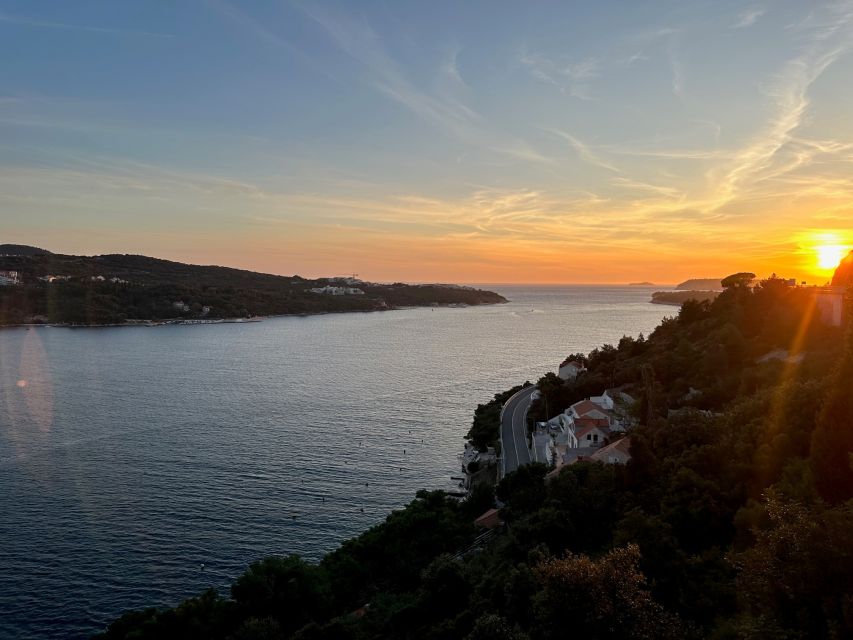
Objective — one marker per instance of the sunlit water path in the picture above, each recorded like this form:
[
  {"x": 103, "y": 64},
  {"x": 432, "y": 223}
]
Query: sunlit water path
[{"x": 130, "y": 456}]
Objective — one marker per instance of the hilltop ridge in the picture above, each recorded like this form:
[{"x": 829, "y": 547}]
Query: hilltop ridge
[
  {"x": 21, "y": 250},
  {"x": 116, "y": 289}
]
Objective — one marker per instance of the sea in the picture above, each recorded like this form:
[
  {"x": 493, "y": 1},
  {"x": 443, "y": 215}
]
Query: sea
[{"x": 142, "y": 465}]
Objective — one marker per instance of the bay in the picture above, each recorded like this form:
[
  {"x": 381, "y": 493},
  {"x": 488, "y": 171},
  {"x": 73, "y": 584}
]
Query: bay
[{"x": 130, "y": 457}]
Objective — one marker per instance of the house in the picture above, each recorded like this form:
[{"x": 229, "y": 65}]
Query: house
[
  {"x": 9, "y": 278},
  {"x": 583, "y": 428},
  {"x": 337, "y": 291},
  {"x": 590, "y": 413},
  {"x": 592, "y": 436},
  {"x": 618, "y": 452},
  {"x": 570, "y": 369}
]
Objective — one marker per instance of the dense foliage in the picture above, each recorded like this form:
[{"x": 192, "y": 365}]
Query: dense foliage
[
  {"x": 115, "y": 288},
  {"x": 485, "y": 429},
  {"x": 733, "y": 519},
  {"x": 844, "y": 274}
]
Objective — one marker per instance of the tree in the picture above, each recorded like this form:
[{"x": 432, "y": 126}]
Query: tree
[
  {"x": 288, "y": 590},
  {"x": 740, "y": 279},
  {"x": 797, "y": 581},
  {"x": 603, "y": 599},
  {"x": 832, "y": 440}
]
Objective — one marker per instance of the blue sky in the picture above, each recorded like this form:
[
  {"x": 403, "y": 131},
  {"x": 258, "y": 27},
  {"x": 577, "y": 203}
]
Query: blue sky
[{"x": 467, "y": 141}]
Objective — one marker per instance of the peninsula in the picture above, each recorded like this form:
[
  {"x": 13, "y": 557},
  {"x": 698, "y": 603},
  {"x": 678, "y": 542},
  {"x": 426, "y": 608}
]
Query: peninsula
[{"x": 38, "y": 287}]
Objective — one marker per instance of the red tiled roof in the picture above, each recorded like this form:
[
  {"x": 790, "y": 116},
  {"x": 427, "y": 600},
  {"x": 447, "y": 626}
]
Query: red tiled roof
[
  {"x": 585, "y": 430},
  {"x": 622, "y": 445},
  {"x": 489, "y": 520},
  {"x": 585, "y": 406},
  {"x": 601, "y": 423}
]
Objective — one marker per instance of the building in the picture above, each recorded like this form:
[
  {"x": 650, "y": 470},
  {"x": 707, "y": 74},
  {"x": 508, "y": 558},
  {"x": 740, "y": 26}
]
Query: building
[
  {"x": 570, "y": 369},
  {"x": 618, "y": 452},
  {"x": 337, "y": 291},
  {"x": 9, "y": 278},
  {"x": 584, "y": 428}
]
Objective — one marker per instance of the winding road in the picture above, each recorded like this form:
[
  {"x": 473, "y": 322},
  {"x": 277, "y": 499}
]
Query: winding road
[{"x": 514, "y": 450}]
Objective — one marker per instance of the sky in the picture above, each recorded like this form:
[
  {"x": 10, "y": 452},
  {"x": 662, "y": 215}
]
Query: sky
[{"x": 477, "y": 141}]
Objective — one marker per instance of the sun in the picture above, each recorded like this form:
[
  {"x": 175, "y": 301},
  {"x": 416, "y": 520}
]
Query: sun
[{"x": 830, "y": 255}]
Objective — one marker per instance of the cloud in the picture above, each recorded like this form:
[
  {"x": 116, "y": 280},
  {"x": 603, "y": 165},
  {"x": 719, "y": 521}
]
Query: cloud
[
  {"x": 676, "y": 68},
  {"x": 584, "y": 152},
  {"x": 571, "y": 78},
  {"x": 826, "y": 38},
  {"x": 445, "y": 111},
  {"x": 42, "y": 24},
  {"x": 748, "y": 18}
]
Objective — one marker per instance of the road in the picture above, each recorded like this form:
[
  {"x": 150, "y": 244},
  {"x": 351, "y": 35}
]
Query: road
[{"x": 514, "y": 451}]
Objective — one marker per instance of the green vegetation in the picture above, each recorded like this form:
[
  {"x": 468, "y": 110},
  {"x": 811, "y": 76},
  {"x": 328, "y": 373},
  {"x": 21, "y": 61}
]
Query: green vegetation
[
  {"x": 733, "y": 519},
  {"x": 485, "y": 430},
  {"x": 116, "y": 288},
  {"x": 680, "y": 297},
  {"x": 741, "y": 279}
]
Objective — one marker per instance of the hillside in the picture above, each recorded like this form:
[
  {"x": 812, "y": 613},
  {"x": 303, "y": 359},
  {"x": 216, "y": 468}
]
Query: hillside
[
  {"x": 701, "y": 284},
  {"x": 117, "y": 288},
  {"x": 732, "y": 519},
  {"x": 21, "y": 250}
]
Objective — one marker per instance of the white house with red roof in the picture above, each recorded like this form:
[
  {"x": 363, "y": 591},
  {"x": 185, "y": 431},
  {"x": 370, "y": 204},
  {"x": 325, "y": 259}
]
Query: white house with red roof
[
  {"x": 618, "y": 452},
  {"x": 570, "y": 369},
  {"x": 585, "y": 428}
]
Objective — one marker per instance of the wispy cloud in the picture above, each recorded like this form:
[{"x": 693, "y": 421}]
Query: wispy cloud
[
  {"x": 583, "y": 151},
  {"x": 676, "y": 67},
  {"x": 43, "y": 24},
  {"x": 446, "y": 111},
  {"x": 570, "y": 77},
  {"x": 827, "y": 37},
  {"x": 748, "y": 17},
  {"x": 262, "y": 33}
]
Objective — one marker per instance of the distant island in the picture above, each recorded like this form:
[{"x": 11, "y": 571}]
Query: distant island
[
  {"x": 680, "y": 297},
  {"x": 39, "y": 287},
  {"x": 701, "y": 284},
  {"x": 641, "y": 284}
]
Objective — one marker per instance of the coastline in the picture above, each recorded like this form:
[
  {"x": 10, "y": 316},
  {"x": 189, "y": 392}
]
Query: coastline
[{"x": 197, "y": 321}]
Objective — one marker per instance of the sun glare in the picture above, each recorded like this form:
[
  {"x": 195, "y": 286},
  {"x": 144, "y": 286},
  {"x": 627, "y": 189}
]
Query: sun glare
[{"x": 830, "y": 255}]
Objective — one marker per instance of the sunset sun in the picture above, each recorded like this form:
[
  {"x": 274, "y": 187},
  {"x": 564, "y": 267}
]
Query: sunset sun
[{"x": 828, "y": 256}]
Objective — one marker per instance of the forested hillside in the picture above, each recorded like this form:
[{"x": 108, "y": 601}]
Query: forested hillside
[
  {"x": 733, "y": 519},
  {"x": 116, "y": 288}
]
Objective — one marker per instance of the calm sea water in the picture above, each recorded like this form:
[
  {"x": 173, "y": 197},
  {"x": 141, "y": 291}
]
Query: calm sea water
[{"x": 130, "y": 456}]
